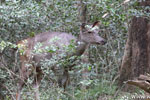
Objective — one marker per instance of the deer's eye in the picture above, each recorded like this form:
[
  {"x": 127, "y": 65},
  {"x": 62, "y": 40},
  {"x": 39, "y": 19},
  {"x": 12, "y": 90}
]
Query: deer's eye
[{"x": 89, "y": 32}]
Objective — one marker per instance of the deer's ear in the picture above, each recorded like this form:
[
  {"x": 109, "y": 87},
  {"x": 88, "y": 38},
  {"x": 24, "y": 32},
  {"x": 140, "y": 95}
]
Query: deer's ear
[
  {"x": 97, "y": 23},
  {"x": 82, "y": 26}
]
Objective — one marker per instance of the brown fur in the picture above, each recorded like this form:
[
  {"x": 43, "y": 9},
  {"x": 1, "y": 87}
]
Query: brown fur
[{"x": 29, "y": 56}]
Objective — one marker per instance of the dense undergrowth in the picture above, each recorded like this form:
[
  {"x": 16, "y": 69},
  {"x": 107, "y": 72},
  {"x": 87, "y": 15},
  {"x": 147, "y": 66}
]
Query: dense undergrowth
[{"x": 19, "y": 20}]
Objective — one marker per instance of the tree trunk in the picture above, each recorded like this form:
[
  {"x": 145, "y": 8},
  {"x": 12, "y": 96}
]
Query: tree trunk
[
  {"x": 2, "y": 1},
  {"x": 136, "y": 59}
]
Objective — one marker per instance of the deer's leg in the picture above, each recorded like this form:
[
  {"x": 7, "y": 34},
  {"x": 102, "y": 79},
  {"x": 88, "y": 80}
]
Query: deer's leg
[
  {"x": 37, "y": 80},
  {"x": 64, "y": 80},
  {"x": 24, "y": 73}
]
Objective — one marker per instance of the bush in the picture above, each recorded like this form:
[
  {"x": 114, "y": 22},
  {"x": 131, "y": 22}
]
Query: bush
[{"x": 21, "y": 20}]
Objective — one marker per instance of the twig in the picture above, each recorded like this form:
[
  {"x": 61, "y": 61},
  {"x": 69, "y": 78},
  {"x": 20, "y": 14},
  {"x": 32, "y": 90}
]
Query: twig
[
  {"x": 73, "y": 98},
  {"x": 8, "y": 91},
  {"x": 126, "y": 1}
]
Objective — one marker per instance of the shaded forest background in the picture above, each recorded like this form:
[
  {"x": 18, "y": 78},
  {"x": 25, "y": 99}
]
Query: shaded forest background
[{"x": 20, "y": 19}]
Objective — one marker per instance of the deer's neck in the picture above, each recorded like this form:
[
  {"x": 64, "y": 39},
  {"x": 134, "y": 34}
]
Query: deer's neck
[{"x": 81, "y": 47}]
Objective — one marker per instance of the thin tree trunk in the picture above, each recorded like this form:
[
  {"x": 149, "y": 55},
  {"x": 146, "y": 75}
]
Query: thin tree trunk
[{"x": 82, "y": 12}]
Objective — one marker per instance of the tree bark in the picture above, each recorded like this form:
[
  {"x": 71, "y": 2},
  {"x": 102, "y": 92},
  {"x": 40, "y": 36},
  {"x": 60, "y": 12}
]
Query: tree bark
[{"x": 136, "y": 59}]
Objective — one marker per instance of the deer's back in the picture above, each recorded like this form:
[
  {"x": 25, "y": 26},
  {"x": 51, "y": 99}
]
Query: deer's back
[{"x": 40, "y": 46}]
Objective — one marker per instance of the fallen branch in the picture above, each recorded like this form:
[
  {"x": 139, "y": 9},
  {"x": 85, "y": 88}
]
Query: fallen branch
[{"x": 142, "y": 82}]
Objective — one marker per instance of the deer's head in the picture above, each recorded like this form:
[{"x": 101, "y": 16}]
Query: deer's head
[{"x": 89, "y": 34}]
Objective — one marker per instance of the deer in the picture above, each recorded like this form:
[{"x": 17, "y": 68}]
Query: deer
[{"x": 30, "y": 61}]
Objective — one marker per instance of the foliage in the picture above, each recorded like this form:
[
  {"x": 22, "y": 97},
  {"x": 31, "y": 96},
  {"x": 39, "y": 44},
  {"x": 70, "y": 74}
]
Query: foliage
[{"x": 19, "y": 20}]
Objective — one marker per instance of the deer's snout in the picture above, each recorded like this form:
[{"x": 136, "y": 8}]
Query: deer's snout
[{"x": 103, "y": 42}]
